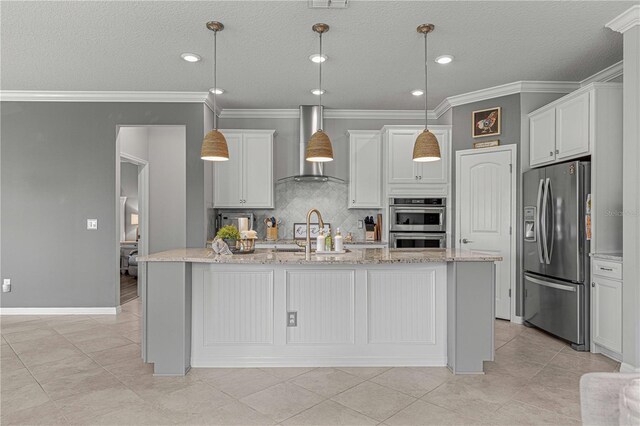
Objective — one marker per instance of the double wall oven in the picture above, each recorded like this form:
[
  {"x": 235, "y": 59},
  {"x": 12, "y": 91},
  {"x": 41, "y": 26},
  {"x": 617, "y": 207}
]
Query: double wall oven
[{"x": 417, "y": 222}]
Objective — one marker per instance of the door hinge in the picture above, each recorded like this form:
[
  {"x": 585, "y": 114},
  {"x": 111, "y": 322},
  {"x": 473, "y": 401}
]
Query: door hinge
[{"x": 509, "y": 292}]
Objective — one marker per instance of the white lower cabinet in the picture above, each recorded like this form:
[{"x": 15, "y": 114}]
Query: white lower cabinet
[
  {"x": 606, "y": 310},
  {"x": 246, "y": 179}
]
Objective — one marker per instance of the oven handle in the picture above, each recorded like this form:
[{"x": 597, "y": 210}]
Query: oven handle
[
  {"x": 406, "y": 236},
  {"x": 415, "y": 209}
]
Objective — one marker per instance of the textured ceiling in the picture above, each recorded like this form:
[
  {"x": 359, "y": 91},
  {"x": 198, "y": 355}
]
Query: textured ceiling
[{"x": 375, "y": 54}]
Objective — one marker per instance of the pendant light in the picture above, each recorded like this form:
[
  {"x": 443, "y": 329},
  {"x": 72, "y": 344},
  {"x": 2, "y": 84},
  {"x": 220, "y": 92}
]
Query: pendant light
[
  {"x": 426, "y": 147},
  {"x": 214, "y": 145},
  {"x": 319, "y": 149}
]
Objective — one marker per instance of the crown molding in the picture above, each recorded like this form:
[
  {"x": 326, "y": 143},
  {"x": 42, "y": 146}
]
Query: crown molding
[
  {"x": 626, "y": 20},
  {"x": 101, "y": 96},
  {"x": 259, "y": 113},
  {"x": 607, "y": 74},
  {"x": 332, "y": 114},
  {"x": 505, "y": 90},
  {"x": 336, "y": 114}
]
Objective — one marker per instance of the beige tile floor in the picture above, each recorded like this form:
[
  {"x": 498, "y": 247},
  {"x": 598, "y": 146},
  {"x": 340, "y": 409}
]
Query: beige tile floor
[{"x": 87, "y": 370}]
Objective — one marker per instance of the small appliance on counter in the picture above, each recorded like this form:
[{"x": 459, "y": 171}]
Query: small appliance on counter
[{"x": 242, "y": 220}]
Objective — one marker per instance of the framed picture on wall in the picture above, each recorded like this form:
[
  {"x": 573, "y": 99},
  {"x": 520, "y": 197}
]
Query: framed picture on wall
[{"x": 486, "y": 122}]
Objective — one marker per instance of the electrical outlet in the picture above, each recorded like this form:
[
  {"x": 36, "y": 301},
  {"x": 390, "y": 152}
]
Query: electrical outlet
[
  {"x": 360, "y": 224},
  {"x": 6, "y": 285},
  {"x": 92, "y": 224},
  {"x": 292, "y": 319}
]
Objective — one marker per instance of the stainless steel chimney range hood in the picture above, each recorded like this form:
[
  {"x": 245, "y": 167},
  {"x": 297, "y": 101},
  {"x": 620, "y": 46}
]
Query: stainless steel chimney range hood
[{"x": 311, "y": 119}]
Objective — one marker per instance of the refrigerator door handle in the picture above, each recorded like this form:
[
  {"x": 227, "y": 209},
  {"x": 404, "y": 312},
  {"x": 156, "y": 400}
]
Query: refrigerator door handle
[
  {"x": 539, "y": 221},
  {"x": 552, "y": 219},
  {"x": 545, "y": 222}
]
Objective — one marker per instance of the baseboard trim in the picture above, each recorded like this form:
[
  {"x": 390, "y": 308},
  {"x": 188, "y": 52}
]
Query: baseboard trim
[
  {"x": 628, "y": 368},
  {"x": 60, "y": 311},
  {"x": 517, "y": 320},
  {"x": 234, "y": 362}
]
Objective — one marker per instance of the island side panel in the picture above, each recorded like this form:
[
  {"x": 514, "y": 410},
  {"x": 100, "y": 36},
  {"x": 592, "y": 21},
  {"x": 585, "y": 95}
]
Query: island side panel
[
  {"x": 168, "y": 317},
  {"x": 470, "y": 315}
]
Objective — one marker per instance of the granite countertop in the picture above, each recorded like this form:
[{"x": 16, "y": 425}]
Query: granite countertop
[
  {"x": 615, "y": 256},
  {"x": 355, "y": 256},
  {"x": 292, "y": 242}
]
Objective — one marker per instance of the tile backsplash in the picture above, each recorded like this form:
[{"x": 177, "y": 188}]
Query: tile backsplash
[{"x": 294, "y": 199}]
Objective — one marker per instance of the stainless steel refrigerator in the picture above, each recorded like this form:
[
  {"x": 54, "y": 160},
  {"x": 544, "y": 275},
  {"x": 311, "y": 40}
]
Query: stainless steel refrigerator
[{"x": 556, "y": 250}]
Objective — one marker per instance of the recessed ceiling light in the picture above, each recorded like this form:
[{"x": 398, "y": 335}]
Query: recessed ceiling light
[
  {"x": 191, "y": 57},
  {"x": 318, "y": 92},
  {"x": 417, "y": 92},
  {"x": 317, "y": 58},
  {"x": 444, "y": 59},
  {"x": 218, "y": 91}
]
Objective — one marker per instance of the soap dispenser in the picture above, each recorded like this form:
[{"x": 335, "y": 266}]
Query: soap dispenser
[
  {"x": 337, "y": 241},
  {"x": 320, "y": 241}
]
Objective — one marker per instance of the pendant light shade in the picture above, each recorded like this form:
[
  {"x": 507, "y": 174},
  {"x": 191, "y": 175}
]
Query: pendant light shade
[
  {"x": 426, "y": 147},
  {"x": 319, "y": 149},
  {"x": 214, "y": 145}
]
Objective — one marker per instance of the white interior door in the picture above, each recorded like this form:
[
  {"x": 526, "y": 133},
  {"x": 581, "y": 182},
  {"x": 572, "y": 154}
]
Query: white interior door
[{"x": 484, "y": 212}]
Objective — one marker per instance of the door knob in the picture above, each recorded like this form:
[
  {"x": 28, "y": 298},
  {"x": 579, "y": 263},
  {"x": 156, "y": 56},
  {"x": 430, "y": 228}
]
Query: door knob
[{"x": 465, "y": 241}]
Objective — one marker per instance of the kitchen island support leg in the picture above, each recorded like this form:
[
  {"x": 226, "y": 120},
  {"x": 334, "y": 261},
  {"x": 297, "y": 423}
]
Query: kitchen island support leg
[
  {"x": 470, "y": 316},
  {"x": 168, "y": 328}
]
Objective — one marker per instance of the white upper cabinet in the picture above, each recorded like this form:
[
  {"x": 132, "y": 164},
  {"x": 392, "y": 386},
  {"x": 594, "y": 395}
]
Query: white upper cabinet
[
  {"x": 569, "y": 127},
  {"x": 542, "y": 131},
  {"x": 365, "y": 169},
  {"x": 572, "y": 126},
  {"x": 401, "y": 167},
  {"x": 227, "y": 177},
  {"x": 246, "y": 179},
  {"x": 257, "y": 183}
]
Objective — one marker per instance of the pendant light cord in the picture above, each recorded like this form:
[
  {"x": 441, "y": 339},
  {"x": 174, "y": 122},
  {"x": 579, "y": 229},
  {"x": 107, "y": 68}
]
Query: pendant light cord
[
  {"x": 425, "y": 81},
  {"x": 320, "y": 79},
  {"x": 215, "y": 86}
]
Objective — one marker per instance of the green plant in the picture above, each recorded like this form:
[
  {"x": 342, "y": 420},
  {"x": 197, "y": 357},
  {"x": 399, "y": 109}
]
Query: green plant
[{"x": 228, "y": 232}]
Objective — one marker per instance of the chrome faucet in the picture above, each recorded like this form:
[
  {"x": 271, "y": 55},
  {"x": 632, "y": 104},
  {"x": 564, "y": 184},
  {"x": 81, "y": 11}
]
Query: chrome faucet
[{"x": 307, "y": 247}]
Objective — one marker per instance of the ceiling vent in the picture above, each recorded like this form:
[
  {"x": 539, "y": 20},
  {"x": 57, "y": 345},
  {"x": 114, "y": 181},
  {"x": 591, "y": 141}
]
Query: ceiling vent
[{"x": 328, "y": 4}]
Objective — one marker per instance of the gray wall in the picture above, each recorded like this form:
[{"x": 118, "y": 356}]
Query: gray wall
[
  {"x": 510, "y": 134},
  {"x": 129, "y": 189},
  {"x": 58, "y": 165},
  {"x": 167, "y": 188}
]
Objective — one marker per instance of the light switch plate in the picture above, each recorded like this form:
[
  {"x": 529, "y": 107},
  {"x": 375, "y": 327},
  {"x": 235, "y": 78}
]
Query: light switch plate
[
  {"x": 6, "y": 285},
  {"x": 92, "y": 224}
]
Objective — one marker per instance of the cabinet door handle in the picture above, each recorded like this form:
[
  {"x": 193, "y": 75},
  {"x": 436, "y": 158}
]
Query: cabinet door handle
[
  {"x": 557, "y": 151},
  {"x": 353, "y": 201},
  {"x": 550, "y": 153},
  {"x": 593, "y": 284},
  {"x": 420, "y": 177}
]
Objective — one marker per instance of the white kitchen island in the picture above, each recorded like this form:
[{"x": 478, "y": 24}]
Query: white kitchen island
[{"x": 369, "y": 307}]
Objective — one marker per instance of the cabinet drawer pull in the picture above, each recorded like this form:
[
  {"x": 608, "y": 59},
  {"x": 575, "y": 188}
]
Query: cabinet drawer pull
[{"x": 602, "y": 268}]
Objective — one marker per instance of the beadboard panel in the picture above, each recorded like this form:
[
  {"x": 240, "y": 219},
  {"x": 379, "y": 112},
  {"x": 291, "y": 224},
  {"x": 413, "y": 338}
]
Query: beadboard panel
[
  {"x": 324, "y": 301},
  {"x": 238, "y": 307},
  {"x": 402, "y": 306}
]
